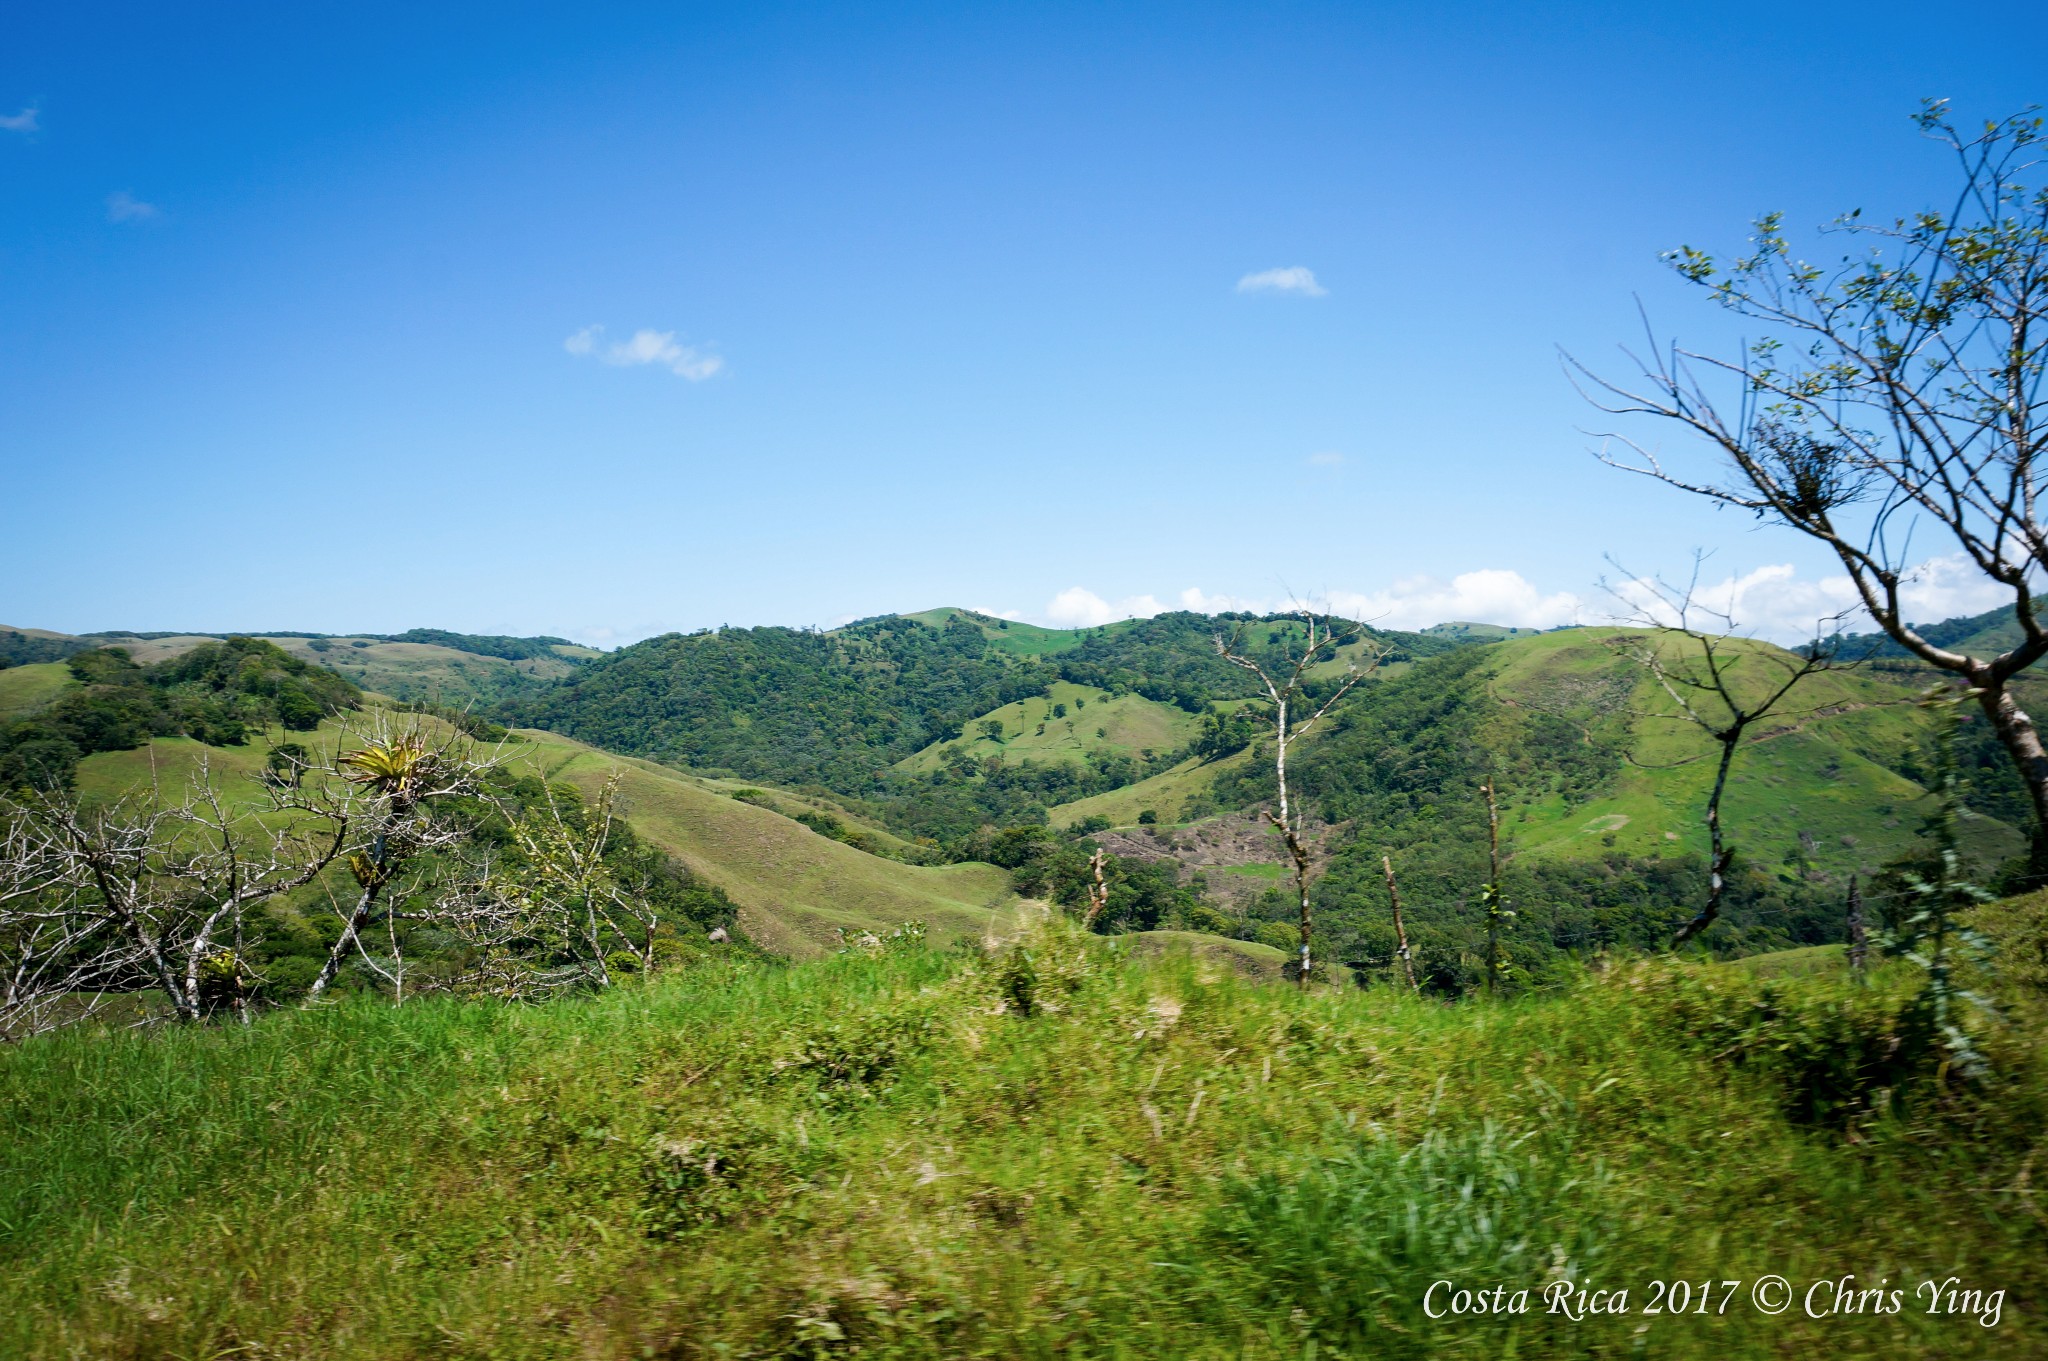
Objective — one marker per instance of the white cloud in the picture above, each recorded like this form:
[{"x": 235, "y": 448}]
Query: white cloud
[
  {"x": 25, "y": 121},
  {"x": 123, "y": 206},
  {"x": 647, "y": 347},
  {"x": 1329, "y": 458},
  {"x": 996, "y": 614},
  {"x": 1294, "y": 279},
  {"x": 1492, "y": 595},
  {"x": 1773, "y": 602},
  {"x": 1199, "y": 601},
  {"x": 1077, "y": 607}
]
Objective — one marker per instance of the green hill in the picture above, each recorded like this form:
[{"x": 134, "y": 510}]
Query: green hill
[
  {"x": 432, "y": 665},
  {"x": 1009, "y": 635},
  {"x": 1464, "y": 631},
  {"x": 1986, "y": 634},
  {"x": 25, "y": 689},
  {"x": 435, "y": 672},
  {"x": 873, "y": 710},
  {"x": 1601, "y": 796},
  {"x": 1066, "y": 723},
  {"x": 793, "y": 885}
]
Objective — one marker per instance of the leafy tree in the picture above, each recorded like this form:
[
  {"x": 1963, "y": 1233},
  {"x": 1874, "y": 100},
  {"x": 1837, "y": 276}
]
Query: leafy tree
[{"x": 1896, "y": 388}]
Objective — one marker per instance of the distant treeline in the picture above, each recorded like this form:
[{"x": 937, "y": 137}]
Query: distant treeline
[
  {"x": 23, "y": 649},
  {"x": 1947, "y": 633},
  {"x": 483, "y": 644}
]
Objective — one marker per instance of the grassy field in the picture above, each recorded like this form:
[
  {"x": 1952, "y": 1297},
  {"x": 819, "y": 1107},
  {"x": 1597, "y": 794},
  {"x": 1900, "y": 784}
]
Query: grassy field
[
  {"x": 25, "y": 689},
  {"x": 1805, "y": 787},
  {"x": 1123, "y": 725},
  {"x": 795, "y": 887},
  {"x": 1166, "y": 794},
  {"x": 886, "y": 1156},
  {"x": 428, "y": 671},
  {"x": 1025, "y": 640}
]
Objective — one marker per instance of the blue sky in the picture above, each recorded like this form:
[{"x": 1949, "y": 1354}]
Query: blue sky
[{"x": 608, "y": 320}]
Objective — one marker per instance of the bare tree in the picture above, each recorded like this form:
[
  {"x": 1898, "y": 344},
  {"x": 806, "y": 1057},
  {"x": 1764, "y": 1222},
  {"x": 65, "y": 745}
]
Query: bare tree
[
  {"x": 1284, "y": 677},
  {"x": 1896, "y": 388},
  {"x": 50, "y": 953},
  {"x": 544, "y": 920},
  {"x": 402, "y": 777},
  {"x": 1400, "y": 929},
  {"x": 1859, "y": 932},
  {"x": 1705, "y": 672},
  {"x": 148, "y": 892},
  {"x": 1098, "y": 892},
  {"x": 1498, "y": 915}
]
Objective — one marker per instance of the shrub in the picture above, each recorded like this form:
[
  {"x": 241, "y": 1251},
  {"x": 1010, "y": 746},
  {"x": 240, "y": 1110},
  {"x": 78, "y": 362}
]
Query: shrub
[
  {"x": 1351, "y": 1241},
  {"x": 728, "y": 1169},
  {"x": 1840, "y": 1055}
]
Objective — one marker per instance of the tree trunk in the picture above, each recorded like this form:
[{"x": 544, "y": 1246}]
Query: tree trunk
[
  {"x": 1718, "y": 854},
  {"x": 1400, "y": 931},
  {"x": 365, "y": 905},
  {"x": 1859, "y": 939},
  {"x": 2022, "y": 741}
]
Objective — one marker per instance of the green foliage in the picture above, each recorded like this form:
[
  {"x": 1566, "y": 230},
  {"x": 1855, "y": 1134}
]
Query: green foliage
[
  {"x": 727, "y": 1169},
  {"x": 1925, "y": 930},
  {"x": 1839, "y": 1055},
  {"x": 1144, "y": 895},
  {"x": 1224, "y": 733}
]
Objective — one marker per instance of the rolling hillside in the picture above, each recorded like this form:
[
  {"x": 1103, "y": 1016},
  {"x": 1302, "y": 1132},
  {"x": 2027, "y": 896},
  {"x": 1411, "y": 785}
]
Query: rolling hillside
[
  {"x": 1822, "y": 785},
  {"x": 1601, "y": 797},
  {"x": 793, "y": 885},
  {"x": 766, "y": 759},
  {"x": 430, "y": 665},
  {"x": 856, "y": 707}
]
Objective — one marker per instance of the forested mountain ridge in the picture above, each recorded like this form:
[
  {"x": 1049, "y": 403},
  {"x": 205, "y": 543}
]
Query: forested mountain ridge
[{"x": 837, "y": 708}]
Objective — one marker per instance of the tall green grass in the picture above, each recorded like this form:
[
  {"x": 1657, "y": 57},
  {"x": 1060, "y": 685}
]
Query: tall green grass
[{"x": 883, "y": 1155}]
